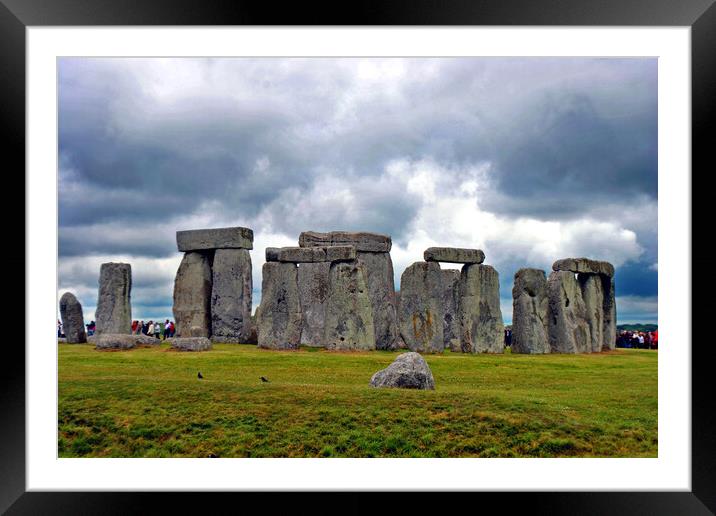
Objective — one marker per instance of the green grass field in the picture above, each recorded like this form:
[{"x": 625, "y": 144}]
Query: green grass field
[{"x": 149, "y": 403}]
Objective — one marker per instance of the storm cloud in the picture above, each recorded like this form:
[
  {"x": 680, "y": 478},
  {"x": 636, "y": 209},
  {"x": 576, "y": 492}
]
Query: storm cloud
[{"x": 530, "y": 159}]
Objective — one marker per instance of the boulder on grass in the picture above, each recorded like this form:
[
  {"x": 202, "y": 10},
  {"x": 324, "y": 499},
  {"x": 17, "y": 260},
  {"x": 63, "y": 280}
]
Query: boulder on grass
[
  {"x": 408, "y": 371},
  {"x": 115, "y": 341},
  {"x": 190, "y": 343}
]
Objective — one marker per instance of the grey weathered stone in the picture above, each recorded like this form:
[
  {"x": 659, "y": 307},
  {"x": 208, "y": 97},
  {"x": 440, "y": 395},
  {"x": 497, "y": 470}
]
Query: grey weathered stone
[
  {"x": 529, "y": 312},
  {"x": 313, "y": 287},
  {"x": 584, "y": 265},
  {"x": 190, "y": 343},
  {"x": 118, "y": 341},
  {"x": 114, "y": 310},
  {"x": 253, "y": 331},
  {"x": 279, "y": 317},
  {"x": 73, "y": 321},
  {"x": 568, "y": 330},
  {"x": 421, "y": 308},
  {"x": 215, "y": 238},
  {"x": 302, "y": 254},
  {"x": 609, "y": 331},
  {"x": 349, "y": 319},
  {"x": 453, "y": 255},
  {"x": 363, "y": 241},
  {"x": 231, "y": 295},
  {"x": 336, "y": 253},
  {"x": 408, "y": 371},
  {"x": 272, "y": 254},
  {"x": 481, "y": 327},
  {"x": 192, "y": 294},
  {"x": 381, "y": 291},
  {"x": 593, "y": 297},
  {"x": 451, "y": 322}
]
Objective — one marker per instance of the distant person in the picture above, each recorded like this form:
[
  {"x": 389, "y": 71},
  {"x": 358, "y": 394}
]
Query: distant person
[
  {"x": 167, "y": 329},
  {"x": 150, "y": 328},
  {"x": 92, "y": 328},
  {"x": 655, "y": 339},
  {"x": 173, "y": 329},
  {"x": 134, "y": 327},
  {"x": 641, "y": 341},
  {"x": 508, "y": 337},
  {"x": 157, "y": 330},
  {"x": 145, "y": 328},
  {"x": 59, "y": 329}
]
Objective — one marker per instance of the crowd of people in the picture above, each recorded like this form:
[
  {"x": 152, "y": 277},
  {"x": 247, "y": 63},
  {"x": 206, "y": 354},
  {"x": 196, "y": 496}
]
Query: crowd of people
[
  {"x": 638, "y": 339},
  {"x": 154, "y": 329},
  {"x": 625, "y": 339}
]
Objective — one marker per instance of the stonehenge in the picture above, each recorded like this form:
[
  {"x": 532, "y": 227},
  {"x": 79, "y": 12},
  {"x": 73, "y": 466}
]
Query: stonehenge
[
  {"x": 373, "y": 251},
  {"x": 479, "y": 313},
  {"x": 114, "y": 311},
  {"x": 349, "y": 314},
  {"x": 72, "y": 319},
  {"x": 231, "y": 286},
  {"x": 459, "y": 310},
  {"x": 573, "y": 311},
  {"x": 451, "y": 323},
  {"x": 313, "y": 288},
  {"x": 315, "y": 296},
  {"x": 335, "y": 290},
  {"x": 279, "y": 318},
  {"x": 421, "y": 308},
  {"x": 213, "y": 285},
  {"x": 529, "y": 312}
]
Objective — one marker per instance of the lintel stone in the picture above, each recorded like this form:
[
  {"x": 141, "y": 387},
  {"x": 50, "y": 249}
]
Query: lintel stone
[
  {"x": 215, "y": 238},
  {"x": 453, "y": 255}
]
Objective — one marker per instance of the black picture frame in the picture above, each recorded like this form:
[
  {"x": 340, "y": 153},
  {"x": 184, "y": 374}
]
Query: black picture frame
[{"x": 700, "y": 15}]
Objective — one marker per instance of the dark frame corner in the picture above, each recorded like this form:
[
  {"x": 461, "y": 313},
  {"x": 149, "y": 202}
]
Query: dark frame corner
[{"x": 700, "y": 15}]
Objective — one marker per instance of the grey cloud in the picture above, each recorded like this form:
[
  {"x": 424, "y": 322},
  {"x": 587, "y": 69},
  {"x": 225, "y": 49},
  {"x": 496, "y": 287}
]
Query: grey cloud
[{"x": 146, "y": 145}]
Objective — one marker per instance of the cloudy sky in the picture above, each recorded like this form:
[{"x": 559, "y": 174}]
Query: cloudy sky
[{"x": 529, "y": 159}]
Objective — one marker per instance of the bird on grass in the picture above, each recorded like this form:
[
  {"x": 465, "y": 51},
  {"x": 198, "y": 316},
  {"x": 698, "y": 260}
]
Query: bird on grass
[
  {"x": 264, "y": 379},
  {"x": 199, "y": 375}
]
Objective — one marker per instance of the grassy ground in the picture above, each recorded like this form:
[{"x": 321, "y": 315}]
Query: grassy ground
[{"x": 149, "y": 403}]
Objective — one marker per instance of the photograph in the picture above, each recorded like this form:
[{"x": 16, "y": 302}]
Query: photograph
[{"x": 357, "y": 257}]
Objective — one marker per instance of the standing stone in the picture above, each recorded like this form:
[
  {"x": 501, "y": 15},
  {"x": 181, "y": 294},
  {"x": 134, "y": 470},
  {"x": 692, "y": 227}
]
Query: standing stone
[
  {"x": 73, "y": 321},
  {"x": 231, "y": 296},
  {"x": 481, "y": 327},
  {"x": 313, "y": 287},
  {"x": 421, "y": 307},
  {"x": 349, "y": 319},
  {"x": 192, "y": 295},
  {"x": 279, "y": 318},
  {"x": 114, "y": 310},
  {"x": 381, "y": 290},
  {"x": 609, "y": 331},
  {"x": 568, "y": 329},
  {"x": 593, "y": 296},
  {"x": 529, "y": 312},
  {"x": 451, "y": 323}
]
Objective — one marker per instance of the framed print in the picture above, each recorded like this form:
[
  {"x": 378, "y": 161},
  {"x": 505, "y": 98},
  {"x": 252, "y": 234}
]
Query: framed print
[{"x": 420, "y": 249}]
